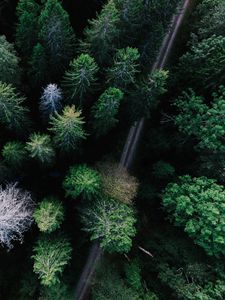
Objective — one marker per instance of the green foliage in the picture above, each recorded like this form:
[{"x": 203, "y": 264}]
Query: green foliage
[
  {"x": 68, "y": 129},
  {"x": 105, "y": 110},
  {"x": 102, "y": 34},
  {"x": 80, "y": 78},
  {"x": 124, "y": 68},
  {"x": 56, "y": 36},
  {"x": 112, "y": 223},
  {"x": 117, "y": 183},
  {"x": 197, "y": 204},
  {"x": 203, "y": 67},
  {"x": 38, "y": 66},
  {"x": 145, "y": 98},
  {"x": 14, "y": 154},
  {"x": 133, "y": 275},
  {"x": 51, "y": 255},
  {"x": 12, "y": 114},
  {"x": 82, "y": 180},
  {"x": 204, "y": 122},
  {"x": 59, "y": 291},
  {"x": 49, "y": 214},
  {"x": 40, "y": 148},
  {"x": 26, "y": 29},
  {"x": 163, "y": 170},
  {"x": 9, "y": 63}
]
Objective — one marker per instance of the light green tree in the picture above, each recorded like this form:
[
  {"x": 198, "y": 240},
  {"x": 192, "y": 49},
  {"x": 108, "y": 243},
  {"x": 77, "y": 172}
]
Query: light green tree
[
  {"x": 80, "y": 79},
  {"x": 105, "y": 110},
  {"x": 49, "y": 214},
  {"x": 9, "y": 63},
  {"x": 197, "y": 204},
  {"x": 68, "y": 129},
  {"x": 82, "y": 180},
  {"x": 40, "y": 148},
  {"x": 51, "y": 255},
  {"x": 110, "y": 222}
]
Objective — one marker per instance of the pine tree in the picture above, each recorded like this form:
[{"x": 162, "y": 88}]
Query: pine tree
[
  {"x": 56, "y": 36},
  {"x": 80, "y": 78},
  {"x": 14, "y": 154},
  {"x": 68, "y": 129},
  {"x": 105, "y": 110},
  {"x": 27, "y": 26},
  {"x": 9, "y": 63},
  {"x": 12, "y": 114},
  {"x": 124, "y": 68},
  {"x": 102, "y": 34},
  {"x": 40, "y": 148},
  {"x": 50, "y": 101}
]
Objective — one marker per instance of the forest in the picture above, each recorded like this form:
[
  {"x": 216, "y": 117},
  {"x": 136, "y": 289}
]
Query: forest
[{"x": 112, "y": 132}]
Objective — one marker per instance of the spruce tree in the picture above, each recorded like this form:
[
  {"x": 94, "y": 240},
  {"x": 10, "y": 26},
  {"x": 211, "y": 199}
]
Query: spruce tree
[
  {"x": 80, "y": 78},
  {"x": 68, "y": 129},
  {"x": 56, "y": 36},
  {"x": 14, "y": 154},
  {"x": 105, "y": 110},
  {"x": 9, "y": 63},
  {"x": 50, "y": 101}
]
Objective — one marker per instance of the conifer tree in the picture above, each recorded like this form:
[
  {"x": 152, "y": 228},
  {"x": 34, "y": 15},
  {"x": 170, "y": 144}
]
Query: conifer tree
[
  {"x": 27, "y": 26},
  {"x": 14, "y": 154},
  {"x": 12, "y": 114},
  {"x": 80, "y": 78},
  {"x": 68, "y": 129},
  {"x": 50, "y": 101},
  {"x": 56, "y": 36},
  {"x": 9, "y": 63},
  {"x": 105, "y": 110}
]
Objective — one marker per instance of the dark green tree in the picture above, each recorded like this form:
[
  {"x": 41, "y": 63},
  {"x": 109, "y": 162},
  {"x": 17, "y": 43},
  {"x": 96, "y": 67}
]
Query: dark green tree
[
  {"x": 49, "y": 214},
  {"x": 38, "y": 69},
  {"x": 51, "y": 255},
  {"x": 197, "y": 204},
  {"x": 27, "y": 26},
  {"x": 56, "y": 36},
  {"x": 80, "y": 79},
  {"x": 163, "y": 170},
  {"x": 68, "y": 129},
  {"x": 12, "y": 112},
  {"x": 82, "y": 180},
  {"x": 14, "y": 154},
  {"x": 124, "y": 68},
  {"x": 9, "y": 63},
  {"x": 40, "y": 148},
  {"x": 105, "y": 111},
  {"x": 102, "y": 34},
  {"x": 110, "y": 222}
]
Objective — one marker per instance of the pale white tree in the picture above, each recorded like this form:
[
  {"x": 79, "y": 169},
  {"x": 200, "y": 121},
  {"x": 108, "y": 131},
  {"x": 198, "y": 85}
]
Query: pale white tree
[
  {"x": 16, "y": 214},
  {"x": 50, "y": 100}
]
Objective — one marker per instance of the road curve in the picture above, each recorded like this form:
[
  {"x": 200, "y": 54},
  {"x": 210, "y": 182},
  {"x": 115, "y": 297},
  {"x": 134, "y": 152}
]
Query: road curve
[{"x": 130, "y": 146}]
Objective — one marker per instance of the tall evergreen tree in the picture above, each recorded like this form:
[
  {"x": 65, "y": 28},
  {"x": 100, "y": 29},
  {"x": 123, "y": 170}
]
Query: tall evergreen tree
[
  {"x": 9, "y": 63},
  {"x": 56, "y": 36},
  {"x": 14, "y": 154}
]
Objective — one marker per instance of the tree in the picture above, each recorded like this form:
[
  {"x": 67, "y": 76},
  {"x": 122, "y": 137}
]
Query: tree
[
  {"x": 14, "y": 154},
  {"x": 50, "y": 101},
  {"x": 145, "y": 97},
  {"x": 80, "y": 78},
  {"x": 102, "y": 34},
  {"x": 51, "y": 255},
  {"x": 38, "y": 70},
  {"x": 197, "y": 119},
  {"x": 56, "y": 36},
  {"x": 163, "y": 170},
  {"x": 12, "y": 114},
  {"x": 110, "y": 222},
  {"x": 105, "y": 110},
  {"x": 197, "y": 204},
  {"x": 117, "y": 182},
  {"x": 68, "y": 129},
  {"x": 27, "y": 26},
  {"x": 124, "y": 68},
  {"x": 82, "y": 180},
  {"x": 16, "y": 209},
  {"x": 40, "y": 148},
  {"x": 9, "y": 63},
  {"x": 204, "y": 64},
  {"x": 49, "y": 214}
]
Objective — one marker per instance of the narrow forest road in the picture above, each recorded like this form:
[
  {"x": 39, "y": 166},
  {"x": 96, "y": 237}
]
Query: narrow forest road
[{"x": 83, "y": 286}]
